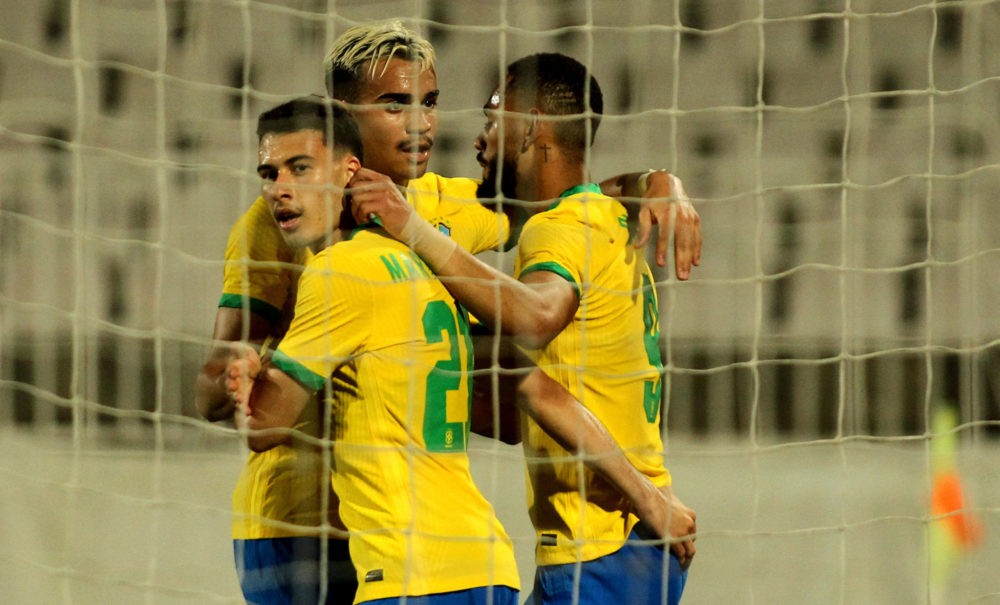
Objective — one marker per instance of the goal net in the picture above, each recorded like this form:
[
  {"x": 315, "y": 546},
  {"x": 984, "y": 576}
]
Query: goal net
[{"x": 842, "y": 155}]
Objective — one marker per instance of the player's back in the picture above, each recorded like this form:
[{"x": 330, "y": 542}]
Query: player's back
[{"x": 400, "y": 401}]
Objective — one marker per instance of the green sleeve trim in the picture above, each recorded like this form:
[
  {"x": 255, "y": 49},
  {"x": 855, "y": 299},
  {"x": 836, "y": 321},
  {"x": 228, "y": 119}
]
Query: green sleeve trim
[
  {"x": 299, "y": 373},
  {"x": 552, "y": 267},
  {"x": 239, "y": 301}
]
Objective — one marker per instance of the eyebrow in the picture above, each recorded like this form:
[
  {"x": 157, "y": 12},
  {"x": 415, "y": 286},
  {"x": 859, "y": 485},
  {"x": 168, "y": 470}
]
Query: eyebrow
[
  {"x": 404, "y": 97},
  {"x": 289, "y": 161}
]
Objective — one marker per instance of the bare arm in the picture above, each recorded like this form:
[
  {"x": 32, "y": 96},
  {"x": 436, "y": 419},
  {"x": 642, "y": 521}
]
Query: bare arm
[
  {"x": 211, "y": 398},
  {"x": 665, "y": 204},
  {"x": 580, "y": 432},
  {"x": 533, "y": 311}
]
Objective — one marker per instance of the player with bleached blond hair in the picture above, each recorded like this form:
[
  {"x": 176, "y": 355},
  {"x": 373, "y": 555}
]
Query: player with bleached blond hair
[{"x": 582, "y": 304}]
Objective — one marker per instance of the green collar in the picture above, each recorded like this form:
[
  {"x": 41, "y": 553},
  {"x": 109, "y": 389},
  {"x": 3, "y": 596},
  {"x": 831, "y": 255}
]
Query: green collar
[
  {"x": 375, "y": 223},
  {"x": 583, "y": 187}
]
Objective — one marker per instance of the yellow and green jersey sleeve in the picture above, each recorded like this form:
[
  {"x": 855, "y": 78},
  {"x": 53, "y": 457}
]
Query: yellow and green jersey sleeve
[
  {"x": 378, "y": 333},
  {"x": 608, "y": 358}
]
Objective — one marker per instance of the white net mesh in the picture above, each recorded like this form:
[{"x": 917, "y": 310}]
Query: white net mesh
[{"x": 843, "y": 159}]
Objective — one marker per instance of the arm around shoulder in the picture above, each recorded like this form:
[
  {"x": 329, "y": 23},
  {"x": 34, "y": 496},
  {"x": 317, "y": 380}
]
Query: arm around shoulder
[{"x": 657, "y": 197}]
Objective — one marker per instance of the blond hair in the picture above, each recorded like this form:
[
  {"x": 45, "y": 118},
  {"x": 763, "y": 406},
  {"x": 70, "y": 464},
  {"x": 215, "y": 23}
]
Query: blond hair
[{"x": 359, "y": 52}]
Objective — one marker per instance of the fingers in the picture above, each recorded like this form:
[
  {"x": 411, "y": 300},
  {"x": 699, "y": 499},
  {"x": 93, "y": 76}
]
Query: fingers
[
  {"x": 645, "y": 227},
  {"x": 374, "y": 195},
  {"x": 663, "y": 241},
  {"x": 666, "y": 204},
  {"x": 684, "y": 551},
  {"x": 365, "y": 176},
  {"x": 240, "y": 374},
  {"x": 687, "y": 240},
  {"x": 235, "y": 379},
  {"x": 361, "y": 187},
  {"x": 686, "y": 231},
  {"x": 683, "y": 530},
  {"x": 660, "y": 214},
  {"x": 685, "y": 548}
]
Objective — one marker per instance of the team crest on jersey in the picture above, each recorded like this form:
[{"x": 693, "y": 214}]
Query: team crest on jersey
[{"x": 442, "y": 227}]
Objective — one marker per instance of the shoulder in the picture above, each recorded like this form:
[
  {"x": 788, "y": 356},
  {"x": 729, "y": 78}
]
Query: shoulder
[
  {"x": 584, "y": 210},
  {"x": 363, "y": 256},
  {"x": 590, "y": 204},
  {"x": 459, "y": 187}
]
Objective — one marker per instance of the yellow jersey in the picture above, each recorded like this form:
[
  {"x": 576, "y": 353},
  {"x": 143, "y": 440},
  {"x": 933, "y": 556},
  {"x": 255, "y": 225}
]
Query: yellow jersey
[
  {"x": 378, "y": 334},
  {"x": 608, "y": 357},
  {"x": 261, "y": 273},
  {"x": 281, "y": 492}
]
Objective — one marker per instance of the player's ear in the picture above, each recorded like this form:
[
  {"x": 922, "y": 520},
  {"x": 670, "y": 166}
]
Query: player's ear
[{"x": 353, "y": 165}]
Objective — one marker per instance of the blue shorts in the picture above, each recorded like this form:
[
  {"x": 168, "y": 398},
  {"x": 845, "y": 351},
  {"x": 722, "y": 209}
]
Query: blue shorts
[
  {"x": 286, "y": 571},
  {"x": 484, "y": 595},
  {"x": 634, "y": 574}
]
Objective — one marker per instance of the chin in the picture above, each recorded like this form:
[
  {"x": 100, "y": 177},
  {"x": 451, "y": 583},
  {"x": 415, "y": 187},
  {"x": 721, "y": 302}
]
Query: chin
[
  {"x": 415, "y": 172},
  {"x": 294, "y": 243},
  {"x": 415, "y": 168},
  {"x": 298, "y": 240}
]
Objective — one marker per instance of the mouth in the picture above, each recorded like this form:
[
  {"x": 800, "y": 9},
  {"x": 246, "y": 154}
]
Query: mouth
[
  {"x": 419, "y": 153},
  {"x": 287, "y": 219}
]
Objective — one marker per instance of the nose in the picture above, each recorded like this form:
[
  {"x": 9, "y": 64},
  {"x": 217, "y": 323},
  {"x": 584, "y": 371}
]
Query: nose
[
  {"x": 480, "y": 145},
  {"x": 281, "y": 186},
  {"x": 421, "y": 120}
]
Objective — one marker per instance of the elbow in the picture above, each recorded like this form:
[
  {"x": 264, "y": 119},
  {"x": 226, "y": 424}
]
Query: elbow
[
  {"x": 547, "y": 314},
  {"x": 537, "y": 333},
  {"x": 533, "y": 342}
]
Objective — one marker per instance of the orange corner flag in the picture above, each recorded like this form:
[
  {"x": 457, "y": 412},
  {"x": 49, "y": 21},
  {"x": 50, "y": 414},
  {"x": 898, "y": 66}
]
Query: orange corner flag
[{"x": 954, "y": 526}]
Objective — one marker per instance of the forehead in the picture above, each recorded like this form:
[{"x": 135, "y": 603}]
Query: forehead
[
  {"x": 276, "y": 146},
  {"x": 397, "y": 76}
]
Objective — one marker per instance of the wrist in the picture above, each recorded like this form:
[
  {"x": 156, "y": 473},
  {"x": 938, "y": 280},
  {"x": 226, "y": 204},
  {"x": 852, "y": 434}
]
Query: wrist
[
  {"x": 643, "y": 182},
  {"x": 429, "y": 243}
]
